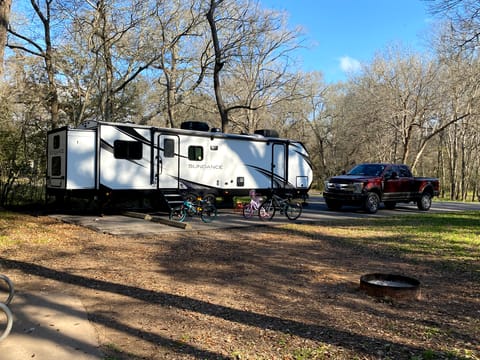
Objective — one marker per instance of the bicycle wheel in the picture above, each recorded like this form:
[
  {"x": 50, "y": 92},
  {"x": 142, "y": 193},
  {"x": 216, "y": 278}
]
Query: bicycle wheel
[
  {"x": 266, "y": 210},
  {"x": 248, "y": 211},
  {"x": 9, "y": 290},
  {"x": 209, "y": 212},
  {"x": 9, "y": 321},
  {"x": 178, "y": 214},
  {"x": 293, "y": 211}
]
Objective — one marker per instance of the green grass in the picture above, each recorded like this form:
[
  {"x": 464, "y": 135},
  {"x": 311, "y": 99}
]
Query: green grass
[
  {"x": 452, "y": 235},
  {"x": 451, "y": 240}
]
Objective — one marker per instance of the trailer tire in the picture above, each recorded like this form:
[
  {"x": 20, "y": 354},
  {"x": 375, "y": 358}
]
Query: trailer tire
[
  {"x": 210, "y": 198},
  {"x": 191, "y": 197}
]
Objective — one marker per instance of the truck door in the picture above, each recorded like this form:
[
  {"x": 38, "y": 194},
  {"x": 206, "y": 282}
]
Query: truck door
[
  {"x": 407, "y": 183},
  {"x": 168, "y": 161},
  {"x": 391, "y": 184},
  {"x": 279, "y": 166}
]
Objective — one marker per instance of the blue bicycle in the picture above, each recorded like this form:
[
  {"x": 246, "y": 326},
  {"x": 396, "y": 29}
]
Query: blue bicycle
[{"x": 206, "y": 210}]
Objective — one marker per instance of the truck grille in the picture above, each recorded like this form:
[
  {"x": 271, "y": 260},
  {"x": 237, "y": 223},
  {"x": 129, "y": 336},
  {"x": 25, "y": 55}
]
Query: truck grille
[{"x": 339, "y": 187}]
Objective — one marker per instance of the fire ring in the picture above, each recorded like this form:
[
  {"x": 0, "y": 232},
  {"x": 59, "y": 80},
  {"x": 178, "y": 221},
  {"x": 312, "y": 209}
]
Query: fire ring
[{"x": 390, "y": 286}]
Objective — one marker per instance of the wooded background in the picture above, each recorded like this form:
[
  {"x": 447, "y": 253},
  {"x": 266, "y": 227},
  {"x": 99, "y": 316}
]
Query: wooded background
[{"x": 235, "y": 65}]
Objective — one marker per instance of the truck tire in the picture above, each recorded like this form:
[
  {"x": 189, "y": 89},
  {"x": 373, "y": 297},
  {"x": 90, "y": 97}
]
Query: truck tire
[
  {"x": 425, "y": 201},
  {"x": 333, "y": 205},
  {"x": 371, "y": 203}
]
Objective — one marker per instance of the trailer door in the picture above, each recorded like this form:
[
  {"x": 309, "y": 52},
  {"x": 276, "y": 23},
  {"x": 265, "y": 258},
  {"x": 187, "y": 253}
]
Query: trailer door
[
  {"x": 168, "y": 161},
  {"x": 56, "y": 160},
  {"x": 279, "y": 167}
]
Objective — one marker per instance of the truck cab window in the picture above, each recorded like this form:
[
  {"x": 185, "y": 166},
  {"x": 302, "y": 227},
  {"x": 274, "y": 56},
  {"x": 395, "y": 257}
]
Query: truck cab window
[
  {"x": 195, "y": 153},
  {"x": 129, "y": 150},
  {"x": 404, "y": 172}
]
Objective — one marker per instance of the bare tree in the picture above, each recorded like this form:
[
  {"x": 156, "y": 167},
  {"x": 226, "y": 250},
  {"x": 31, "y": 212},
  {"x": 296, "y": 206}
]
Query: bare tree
[
  {"x": 184, "y": 56},
  {"x": 5, "y": 6},
  {"x": 251, "y": 47},
  {"x": 219, "y": 61},
  {"x": 463, "y": 17},
  {"x": 43, "y": 48}
]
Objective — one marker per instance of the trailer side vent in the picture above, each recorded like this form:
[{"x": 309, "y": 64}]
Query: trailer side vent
[
  {"x": 195, "y": 125},
  {"x": 267, "y": 133}
]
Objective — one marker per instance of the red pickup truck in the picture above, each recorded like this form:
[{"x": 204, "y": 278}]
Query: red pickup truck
[{"x": 370, "y": 184}]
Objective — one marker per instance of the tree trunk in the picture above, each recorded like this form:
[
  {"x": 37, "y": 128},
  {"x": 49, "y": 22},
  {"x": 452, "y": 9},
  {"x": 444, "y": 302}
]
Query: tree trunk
[
  {"x": 218, "y": 63},
  {"x": 5, "y": 6}
]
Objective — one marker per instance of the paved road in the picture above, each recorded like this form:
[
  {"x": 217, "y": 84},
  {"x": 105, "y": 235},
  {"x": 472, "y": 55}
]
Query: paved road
[{"x": 317, "y": 206}]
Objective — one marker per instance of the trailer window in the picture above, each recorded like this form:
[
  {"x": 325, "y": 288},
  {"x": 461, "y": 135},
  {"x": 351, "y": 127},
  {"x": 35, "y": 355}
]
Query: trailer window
[
  {"x": 195, "y": 153},
  {"x": 56, "y": 166},
  {"x": 56, "y": 141},
  {"x": 130, "y": 150},
  {"x": 169, "y": 148}
]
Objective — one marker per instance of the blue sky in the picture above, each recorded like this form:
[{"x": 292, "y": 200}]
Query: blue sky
[{"x": 341, "y": 34}]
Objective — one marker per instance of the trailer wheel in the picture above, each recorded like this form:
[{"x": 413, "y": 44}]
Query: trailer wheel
[
  {"x": 191, "y": 197},
  {"x": 425, "y": 201},
  {"x": 210, "y": 198}
]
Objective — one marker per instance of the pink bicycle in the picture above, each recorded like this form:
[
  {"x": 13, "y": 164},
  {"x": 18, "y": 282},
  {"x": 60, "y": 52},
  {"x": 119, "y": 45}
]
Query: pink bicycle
[{"x": 254, "y": 206}]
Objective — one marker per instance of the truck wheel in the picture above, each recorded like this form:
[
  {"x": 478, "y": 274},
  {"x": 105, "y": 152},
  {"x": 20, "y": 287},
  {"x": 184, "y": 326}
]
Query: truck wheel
[
  {"x": 372, "y": 202},
  {"x": 333, "y": 205},
  {"x": 425, "y": 201}
]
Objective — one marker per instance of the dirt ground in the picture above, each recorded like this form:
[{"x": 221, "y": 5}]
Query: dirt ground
[{"x": 254, "y": 293}]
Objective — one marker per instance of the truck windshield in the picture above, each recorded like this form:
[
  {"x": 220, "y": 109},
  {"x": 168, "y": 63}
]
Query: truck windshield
[{"x": 367, "y": 170}]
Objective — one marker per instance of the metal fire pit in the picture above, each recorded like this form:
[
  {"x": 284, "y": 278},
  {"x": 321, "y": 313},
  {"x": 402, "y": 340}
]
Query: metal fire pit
[{"x": 390, "y": 286}]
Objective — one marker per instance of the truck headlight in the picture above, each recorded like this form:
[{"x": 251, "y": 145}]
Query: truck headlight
[{"x": 357, "y": 188}]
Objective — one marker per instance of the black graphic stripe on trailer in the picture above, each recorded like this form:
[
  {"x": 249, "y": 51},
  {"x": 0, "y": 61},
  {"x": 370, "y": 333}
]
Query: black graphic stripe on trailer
[{"x": 277, "y": 179}]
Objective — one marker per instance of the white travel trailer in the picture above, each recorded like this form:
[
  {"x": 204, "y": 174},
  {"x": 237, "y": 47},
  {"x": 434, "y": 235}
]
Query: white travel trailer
[{"x": 100, "y": 160}]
